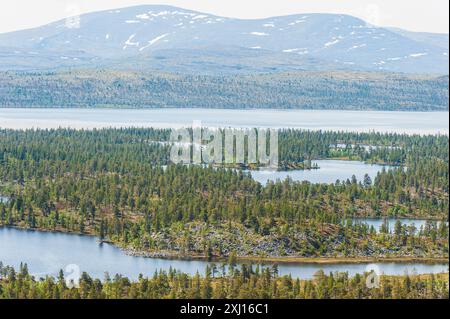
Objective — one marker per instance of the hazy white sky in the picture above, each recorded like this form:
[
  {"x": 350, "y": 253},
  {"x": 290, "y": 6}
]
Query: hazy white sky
[{"x": 415, "y": 15}]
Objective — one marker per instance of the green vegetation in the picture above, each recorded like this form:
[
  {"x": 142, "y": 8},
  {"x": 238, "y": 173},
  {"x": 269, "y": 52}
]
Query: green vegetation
[
  {"x": 297, "y": 90},
  {"x": 244, "y": 283},
  {"x": 112, "y": 183}
]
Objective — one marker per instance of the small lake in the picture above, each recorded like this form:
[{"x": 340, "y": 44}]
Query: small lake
[
  {"x": 47, "y": 253},
  {"x": 378, "y": 222},
  {"x": 329, "y": 171},
  {"x": 357, "y": 121}
]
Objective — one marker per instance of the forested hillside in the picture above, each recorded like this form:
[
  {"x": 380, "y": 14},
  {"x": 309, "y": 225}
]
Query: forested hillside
[
  {"x": 112, "y": 183},
  {"x": 301, "y": 90}
]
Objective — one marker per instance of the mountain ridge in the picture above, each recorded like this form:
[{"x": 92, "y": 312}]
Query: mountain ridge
[{"x": 150, "y": 36}]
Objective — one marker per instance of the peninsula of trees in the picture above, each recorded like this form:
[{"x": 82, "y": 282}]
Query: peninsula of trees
[{"x": 118, "y": 184}]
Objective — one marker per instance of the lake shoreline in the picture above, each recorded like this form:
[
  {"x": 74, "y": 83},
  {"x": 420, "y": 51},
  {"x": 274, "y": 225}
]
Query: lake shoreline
[
  {"x": 252, "y": 109},
  {"x": 400, "y": 122},
  {"x": 96, "y": 258},
  {"x": 292, "y": 260}
]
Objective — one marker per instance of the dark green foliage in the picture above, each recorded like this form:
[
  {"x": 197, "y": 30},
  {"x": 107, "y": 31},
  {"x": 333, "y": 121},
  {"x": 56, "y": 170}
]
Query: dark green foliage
[
  {"x": 111, "y": 183},
  {"x": 244, "y": 283},
  {"x": 301, "y": 90}
]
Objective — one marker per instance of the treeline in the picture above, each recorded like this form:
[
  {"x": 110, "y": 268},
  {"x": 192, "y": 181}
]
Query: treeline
[
  {"x": 239, "y": 283},
  {"x": 393, "y": 149},
  {"x": 301, "y": 90},
  {"x": 112, "y": 183}
]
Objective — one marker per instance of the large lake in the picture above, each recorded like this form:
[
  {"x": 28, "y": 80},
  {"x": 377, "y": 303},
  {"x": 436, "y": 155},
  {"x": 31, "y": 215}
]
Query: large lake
[
  {"x": 329, "y": 171},
  {"x": 358, "y": 121},
  {"x": 47, "y": 253}
]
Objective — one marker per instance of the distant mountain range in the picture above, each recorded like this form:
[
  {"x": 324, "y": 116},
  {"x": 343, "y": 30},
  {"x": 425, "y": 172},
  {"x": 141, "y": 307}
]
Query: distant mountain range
[{"x": 171, "y": 39}]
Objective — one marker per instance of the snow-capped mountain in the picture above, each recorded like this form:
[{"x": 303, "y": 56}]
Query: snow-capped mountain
[{"x": 173, "y": 39}]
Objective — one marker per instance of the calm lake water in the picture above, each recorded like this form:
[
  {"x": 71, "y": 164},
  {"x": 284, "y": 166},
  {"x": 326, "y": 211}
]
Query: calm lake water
[
  {"x": 47, "y": 253},
  {"x": 329, "y": 171},
  {"x": 378, "y": 222},
  {"x": 358, "y": 121}
]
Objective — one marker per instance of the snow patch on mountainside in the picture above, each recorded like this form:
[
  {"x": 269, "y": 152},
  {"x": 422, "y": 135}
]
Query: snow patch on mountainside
[
  {"x": 295, "y": 50},
  {"x": 416, "y": 55},
  {"x": 260, "y": 34},
  {"x": 151, "y": 42},
  {"x": 143, "y": 16},
  {"x": 357, "y": 47},
  {"x": 395, "y": 59},
  {"x": 330, "y": 43},
  {"x": 200, "y": 16},
  {"x": 130, "y": 43},
  {"x": 296, "y": 22}
]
